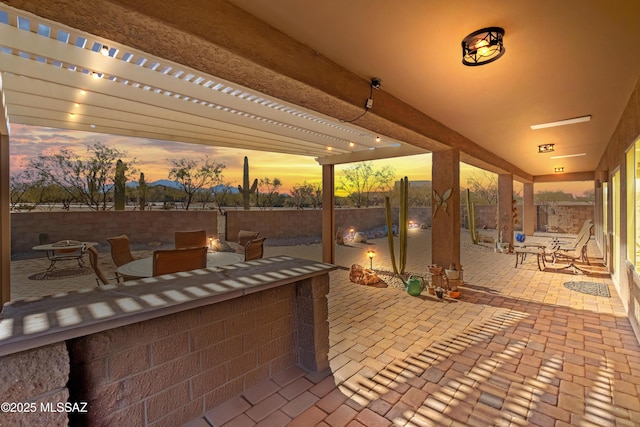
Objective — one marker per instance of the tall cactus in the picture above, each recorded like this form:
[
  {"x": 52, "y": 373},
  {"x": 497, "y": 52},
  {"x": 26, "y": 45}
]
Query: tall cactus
[
  {"x": 471, "y": 214},
  {"x": 404, "y": 222},
  {"x": 387, "y": 205},
  {"x": 244, "y": 188},
  {"x": 403, "y": 225},
  {"x": 143, "y": 189},
  {"x": 120, "y": 180}
]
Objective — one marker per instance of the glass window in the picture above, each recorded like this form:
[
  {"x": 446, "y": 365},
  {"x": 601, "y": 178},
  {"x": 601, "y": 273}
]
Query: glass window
[
  {"x": 633, "y": 204},
  {"x": 636, "y": 203},
  {"x": 630, "y": 174}
]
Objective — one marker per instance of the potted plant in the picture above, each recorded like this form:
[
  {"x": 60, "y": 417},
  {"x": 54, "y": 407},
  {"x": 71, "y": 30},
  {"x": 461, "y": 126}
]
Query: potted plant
[
  {"x": 452, "y": 272},
  {"x": 439, "y": 292}
]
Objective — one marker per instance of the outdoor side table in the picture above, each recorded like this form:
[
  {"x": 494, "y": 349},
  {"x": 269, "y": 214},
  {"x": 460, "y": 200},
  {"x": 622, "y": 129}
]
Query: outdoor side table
[{"x": 537, "y": 250}]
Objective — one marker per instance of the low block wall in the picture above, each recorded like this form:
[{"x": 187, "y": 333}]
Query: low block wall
[
  {"x": 170, "y": 370},
  {"x": 163, "y": 364}
]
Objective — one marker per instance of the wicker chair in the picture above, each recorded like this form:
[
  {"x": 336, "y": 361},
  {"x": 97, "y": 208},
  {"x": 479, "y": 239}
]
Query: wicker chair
[
  {"x": 166, "y": 261},
  {"x": 190, "y": 239},
  {"x": 254, "y": 249}
]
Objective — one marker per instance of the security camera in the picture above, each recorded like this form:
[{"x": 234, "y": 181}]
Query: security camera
[{"x": 375, "y": 83}]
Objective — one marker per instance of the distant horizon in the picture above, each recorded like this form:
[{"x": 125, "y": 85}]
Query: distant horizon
[{"x": 152, "y": 158}]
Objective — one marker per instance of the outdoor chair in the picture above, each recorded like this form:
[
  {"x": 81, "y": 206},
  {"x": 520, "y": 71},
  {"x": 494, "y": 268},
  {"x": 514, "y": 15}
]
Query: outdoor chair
[
  {"x": 190, "y": 239},
  {"x": 101, "y": 279},
  {"x": 254, "y": 249},
  {"x": 579, "y": 242},
  {"x": 573, "y": 255},
  {"x": 166, "y": 261},
  {"x": 121, "y": 252},
  {"x": 245, "y": 237}
]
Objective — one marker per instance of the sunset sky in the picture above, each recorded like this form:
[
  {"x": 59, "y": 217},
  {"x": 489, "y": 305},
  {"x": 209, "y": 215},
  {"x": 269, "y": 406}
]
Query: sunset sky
[{"x": 152, "y": 158}]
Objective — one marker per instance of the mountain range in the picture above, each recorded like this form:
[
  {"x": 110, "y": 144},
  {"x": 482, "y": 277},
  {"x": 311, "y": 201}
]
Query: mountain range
[{"x": 173, "y": 184}]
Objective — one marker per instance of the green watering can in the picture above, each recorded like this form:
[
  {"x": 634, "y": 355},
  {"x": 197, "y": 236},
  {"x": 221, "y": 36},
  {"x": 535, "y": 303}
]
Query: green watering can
[{"x": 414, "y": 285}]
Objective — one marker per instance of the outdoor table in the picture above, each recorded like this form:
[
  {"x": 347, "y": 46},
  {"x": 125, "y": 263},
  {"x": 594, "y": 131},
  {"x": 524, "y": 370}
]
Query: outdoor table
[
  {"x": 144, "y": 267},
  {"x": 65, "y": 250},
  {"x": 533, "y": 249}
]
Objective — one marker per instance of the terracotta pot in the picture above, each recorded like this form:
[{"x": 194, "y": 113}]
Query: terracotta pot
[
  {"x": 454, "y": 294},
  {"x": 435, "y": 270},
  {"x": 432, "y": 290}
]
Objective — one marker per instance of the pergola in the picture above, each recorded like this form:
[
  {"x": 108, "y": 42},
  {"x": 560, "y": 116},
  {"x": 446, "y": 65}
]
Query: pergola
[{"x": 211, "y": 73}]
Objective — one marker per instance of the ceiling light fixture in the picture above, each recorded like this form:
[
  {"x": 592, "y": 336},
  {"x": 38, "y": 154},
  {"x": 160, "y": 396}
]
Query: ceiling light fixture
[
  {"x": 545, "y": 148},
  {"x": 483, "y": 46},
  {"x": 559, "y": 170},
  {"x": 568, "y": 155},
  {"x": 562, "y": 122}
]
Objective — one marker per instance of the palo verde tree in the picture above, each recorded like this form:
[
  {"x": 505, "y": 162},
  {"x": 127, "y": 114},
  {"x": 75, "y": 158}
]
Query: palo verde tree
[
  {"x": 305, "y": 194},
  {"x": 268, "y": 192},
  {"x": 484, "y": 186},
  {"x": 193, "y": 176},
  {"x": 88, "y": 180},
  {"x": 360, "y": 181}
]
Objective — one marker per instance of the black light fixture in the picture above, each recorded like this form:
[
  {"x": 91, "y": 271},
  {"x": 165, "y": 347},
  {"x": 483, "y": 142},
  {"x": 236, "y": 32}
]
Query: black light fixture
[
  {"x": 483, "y": 46},
  {"x": 545, "y": 148}
]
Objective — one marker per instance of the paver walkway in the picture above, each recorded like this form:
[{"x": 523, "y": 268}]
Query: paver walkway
[{"x": 517, "y": 349}]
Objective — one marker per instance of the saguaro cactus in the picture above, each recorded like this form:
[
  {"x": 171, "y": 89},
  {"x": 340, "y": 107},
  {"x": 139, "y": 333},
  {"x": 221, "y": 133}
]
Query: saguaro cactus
[
  {"x": 119, "y": 186},
  {"x": 403, "y": 224},
  {"x": 471, "y": 213},
  {"x": 244, "y": 188},
  {"x": 143, "y": 189}
]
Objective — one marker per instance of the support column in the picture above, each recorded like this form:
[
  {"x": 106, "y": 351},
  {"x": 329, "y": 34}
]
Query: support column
[
  {"x": 529, "y": 214},
  {"x": 5, "y": 222},
  {"x": 505, "y": 208},
  {"x": 445, "y": 235},
  {"x": 328, "y": 214}
]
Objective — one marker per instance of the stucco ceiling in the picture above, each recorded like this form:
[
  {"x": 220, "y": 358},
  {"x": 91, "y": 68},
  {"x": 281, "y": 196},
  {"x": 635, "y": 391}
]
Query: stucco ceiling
[{"x": 563, "y": 59}]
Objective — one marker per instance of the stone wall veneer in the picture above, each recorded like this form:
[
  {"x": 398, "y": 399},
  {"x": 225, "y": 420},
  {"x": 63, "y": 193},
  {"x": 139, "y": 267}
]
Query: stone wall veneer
[{"x": 33, "y": 378}]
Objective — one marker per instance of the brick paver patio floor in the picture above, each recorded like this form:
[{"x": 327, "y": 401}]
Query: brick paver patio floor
[{"x": 517, "y": 349}]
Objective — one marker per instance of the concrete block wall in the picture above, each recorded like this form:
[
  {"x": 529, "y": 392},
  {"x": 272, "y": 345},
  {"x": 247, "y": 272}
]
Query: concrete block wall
[
  {"x": 170, "y": 370},
  {"x": 141, "y": 227},
  {"x": 36, "y": 380},
  {"x": 275, "y": 224},
  {"x": 571, "y": 218},
  {"x": 160, "y": 226}
]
